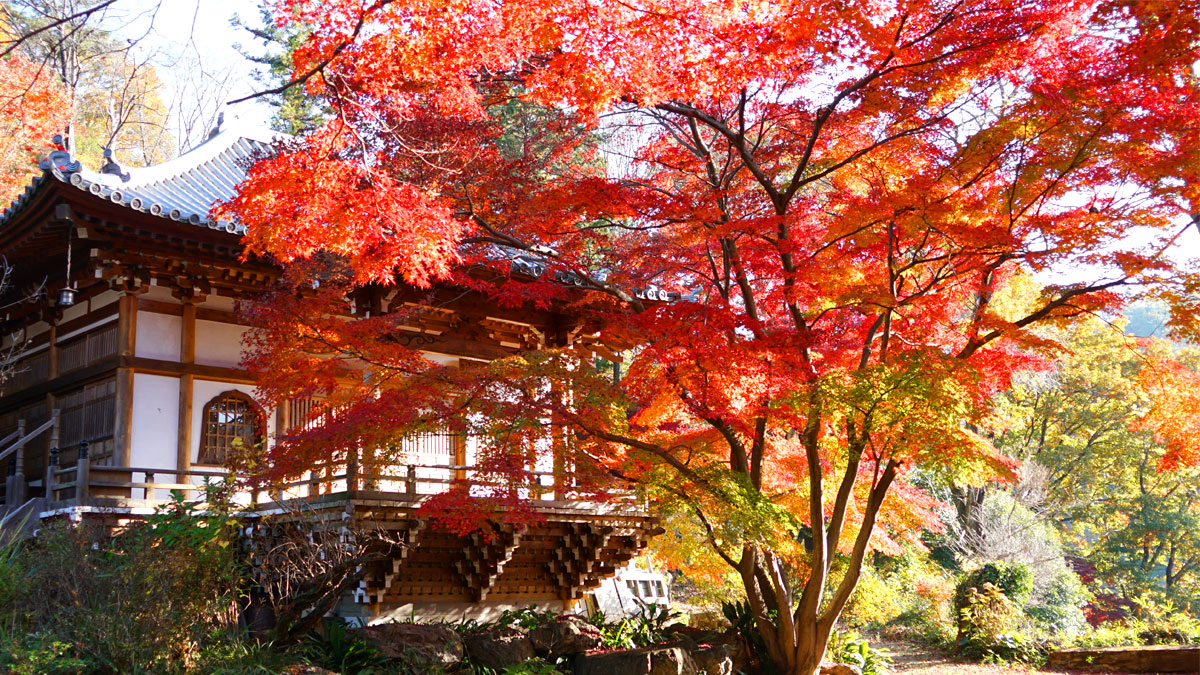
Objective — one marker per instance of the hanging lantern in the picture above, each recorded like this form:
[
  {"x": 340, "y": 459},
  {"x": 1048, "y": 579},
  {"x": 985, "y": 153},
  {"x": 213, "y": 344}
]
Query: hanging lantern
[
  {"x": 67, "y": 294},
  {"x": 66, "y": 297}
]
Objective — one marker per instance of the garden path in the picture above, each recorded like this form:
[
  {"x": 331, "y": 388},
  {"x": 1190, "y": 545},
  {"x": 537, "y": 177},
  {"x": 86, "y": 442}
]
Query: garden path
[{"x": 909, "y": 658}]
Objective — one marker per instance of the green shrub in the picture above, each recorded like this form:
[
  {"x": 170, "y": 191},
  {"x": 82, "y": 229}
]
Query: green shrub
[
  {"x": 340, "y": 650},
  {"x": 874, "y": 602},
  {"x": 989, "y": 628},
  {"x": 741, "y": 619},
  {"x": 532, "y": 667},
  {"x": 648, "y": 627},
  {"x": 526, "y": 618},
  {"x": 38, "y": 655},
  {"x": 140, "y": 602},
  {"x": 1014, "y": 580},
  {"x": 232, "y": 654},
  {"x": 851, "y": 649},
  {"x": 1058, "y": 608}
]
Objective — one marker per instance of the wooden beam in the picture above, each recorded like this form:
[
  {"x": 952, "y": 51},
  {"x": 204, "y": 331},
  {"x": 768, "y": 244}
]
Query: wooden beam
[
  {"x": 174, "y": 368},
  {"x": 202, "y": 313},
  {"x": 69, "y": 380}
]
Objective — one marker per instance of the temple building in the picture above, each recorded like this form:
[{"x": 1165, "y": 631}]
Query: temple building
[{"x": 124, "y": 347}]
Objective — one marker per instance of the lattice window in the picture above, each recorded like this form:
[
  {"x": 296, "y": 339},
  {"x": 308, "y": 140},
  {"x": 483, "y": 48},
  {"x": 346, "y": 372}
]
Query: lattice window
[
  {"x": 87, "y": 349},
  {"x": 88, "y": 414},
  {"x": 229, "y": 417}
]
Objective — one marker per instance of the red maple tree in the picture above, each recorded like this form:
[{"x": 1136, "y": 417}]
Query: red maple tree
[
  {"x": 826, "y": 202},
  {"x": 33, "y": 108}
]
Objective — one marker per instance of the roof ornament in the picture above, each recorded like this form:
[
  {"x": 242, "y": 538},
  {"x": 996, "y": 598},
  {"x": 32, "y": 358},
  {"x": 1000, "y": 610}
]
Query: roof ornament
[
  {"x": 60, "y": 159},
  {"x": 112, "y": 168},
  {"x": 220, "y": 121}
]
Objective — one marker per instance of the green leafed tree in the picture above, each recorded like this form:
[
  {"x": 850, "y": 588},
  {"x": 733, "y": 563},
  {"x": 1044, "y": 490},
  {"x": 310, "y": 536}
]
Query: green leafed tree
[
  {"x": 1105, "y": 485},
  {"x": 296, "y": 111}
]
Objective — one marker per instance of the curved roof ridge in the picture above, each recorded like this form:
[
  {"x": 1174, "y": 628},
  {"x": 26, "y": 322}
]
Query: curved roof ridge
[
  {"x": 228, "y": 136},
  {"x": 182, "y": 189}
]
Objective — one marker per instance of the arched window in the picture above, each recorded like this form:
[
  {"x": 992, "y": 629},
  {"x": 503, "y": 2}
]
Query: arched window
[{"x": 228, "y": 416}]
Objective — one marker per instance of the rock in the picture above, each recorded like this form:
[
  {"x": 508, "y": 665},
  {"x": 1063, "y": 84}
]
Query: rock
[
  {"x": 307, "y": 670},
  {"x": 713, "y": 660},
  {"x": 1151, "y": 659},
  {"x": 498, "y": 649},
  {"x": 648, "y": 661},
  {"x": 839, "y": 669},
  {"x": 565, "y": 636},
  {"x": 423, "y": 646}
]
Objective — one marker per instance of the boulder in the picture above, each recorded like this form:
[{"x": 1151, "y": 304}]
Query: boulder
[
  {"x": 565, "y": 636},
  {"x": 432, "y": 646},
  {"x": 498, "y": 649},
  {"x": 1150, "y": 659},
  {"x": 648, "y": 661},
  {"x": 839, "y": 669},
  {"x": 306, "y": 670},
  {"x": 713, "y": 660}
]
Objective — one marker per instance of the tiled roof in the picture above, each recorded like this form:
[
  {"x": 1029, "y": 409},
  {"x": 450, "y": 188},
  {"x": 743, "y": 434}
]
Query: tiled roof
[{"x": 183, "y": 189}]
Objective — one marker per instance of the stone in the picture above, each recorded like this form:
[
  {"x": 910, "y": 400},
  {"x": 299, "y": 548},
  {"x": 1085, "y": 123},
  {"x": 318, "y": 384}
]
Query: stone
[
  {"x": 648, "y": 661},
  {"x": 498, "y": 649},
  {"x": 565, "y": 636},
  {"x": 433, "y": 646},
  {"x": 713, "y": 660},
  {"x": 839, "y": 669},
  {"x": 1150, "y": 659}
]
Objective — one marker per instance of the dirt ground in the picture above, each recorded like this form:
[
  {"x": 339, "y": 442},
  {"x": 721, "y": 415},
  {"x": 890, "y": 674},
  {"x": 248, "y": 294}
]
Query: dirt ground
[{"x": 915, "y": 659}]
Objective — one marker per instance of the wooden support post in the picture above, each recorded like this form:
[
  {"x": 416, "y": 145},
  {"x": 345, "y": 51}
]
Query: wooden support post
[
  {"x": 52, "y": 470},
  {"x": 187, "y": 354},
  {"x": 460, "y": 456},
  {"x": 282, "y": 424},
  {"x": 52, "y": 439},
  {"x": 82, "y": 474},
  {"x": 52, "y": 353},
  {"x": 352, "y": 471},
  {"x": 126, "y": 347},
  {"x": 15, "y": 494},
  {"x": 51, "y": 405},
  {"x": 410, "y": 481}
]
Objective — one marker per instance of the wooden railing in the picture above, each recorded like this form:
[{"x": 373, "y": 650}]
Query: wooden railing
[
  {"x": 16, "y": 488},
  {"x": 86, "y": 481}
]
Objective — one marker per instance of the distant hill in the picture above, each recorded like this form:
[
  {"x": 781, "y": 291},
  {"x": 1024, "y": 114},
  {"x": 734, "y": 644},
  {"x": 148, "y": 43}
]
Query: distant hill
[{"x": 1147, "y": 318}]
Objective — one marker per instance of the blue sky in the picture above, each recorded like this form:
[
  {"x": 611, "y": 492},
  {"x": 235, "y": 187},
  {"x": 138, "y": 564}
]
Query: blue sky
[{"x": 195, "y": 35}]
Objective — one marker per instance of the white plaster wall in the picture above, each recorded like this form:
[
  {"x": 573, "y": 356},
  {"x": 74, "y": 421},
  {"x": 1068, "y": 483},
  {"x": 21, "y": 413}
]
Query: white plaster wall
[
  {"x": 74, "y": 312},
  {"x": 219, "y": 344},
  {"x": 204, "y": 391},
  {"x": 156, "y": 292},
  {"x": 155, "y": 431},
  {"x": 158, "y": 336},
  {"x": 220, "y": 302},
  {"x": 103, "y": 299}
]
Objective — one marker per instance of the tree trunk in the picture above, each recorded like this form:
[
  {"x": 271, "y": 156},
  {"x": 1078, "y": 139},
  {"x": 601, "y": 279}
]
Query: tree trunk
[{"x": 968, "y": 506}]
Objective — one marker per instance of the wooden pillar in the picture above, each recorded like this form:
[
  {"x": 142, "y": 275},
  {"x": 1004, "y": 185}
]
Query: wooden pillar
[
  {"x": 460, "y": 456},
  {"x": 126, "y": 335},
  {"x": 51, "y": 463},
  {"x": 14, "y": 490},
  {"x": 83, "y": 472},
  {"x": 51, "y": 404},
  {"x": 187, "y": 354}
]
